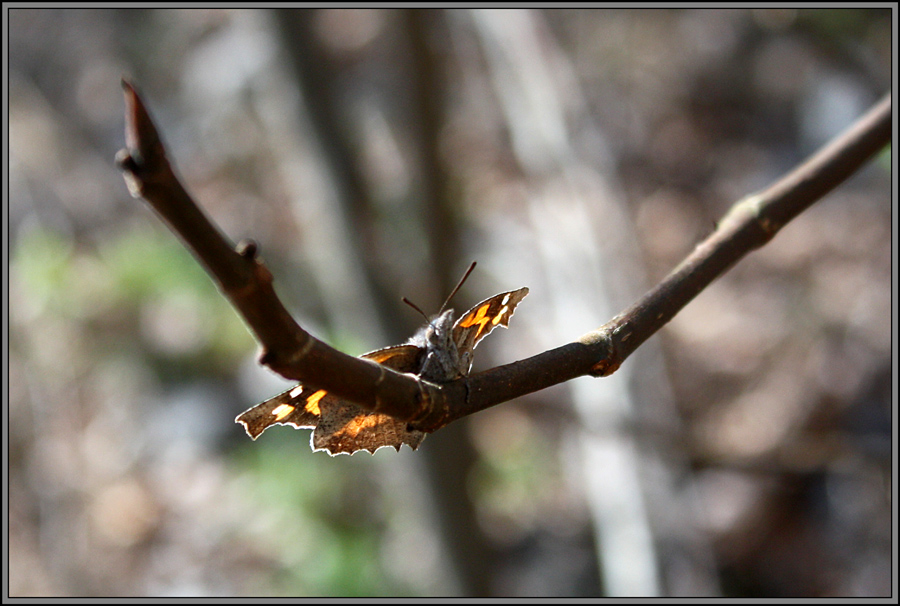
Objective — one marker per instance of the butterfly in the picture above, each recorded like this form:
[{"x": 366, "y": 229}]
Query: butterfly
[{"x": 440, "y": 351}]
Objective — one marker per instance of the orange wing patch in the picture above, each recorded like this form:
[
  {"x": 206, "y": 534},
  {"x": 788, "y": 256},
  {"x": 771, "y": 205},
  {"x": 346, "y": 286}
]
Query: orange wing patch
[
  {"x": 479, "y": 321},
  {"x": 480, "y": 317},
  {"x": 312, "y": 402}
]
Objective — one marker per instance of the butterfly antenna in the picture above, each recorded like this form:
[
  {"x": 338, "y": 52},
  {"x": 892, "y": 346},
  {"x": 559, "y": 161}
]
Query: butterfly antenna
[
  {"x": 458, "y": 286},
  {"x": 416, "y": 307}
]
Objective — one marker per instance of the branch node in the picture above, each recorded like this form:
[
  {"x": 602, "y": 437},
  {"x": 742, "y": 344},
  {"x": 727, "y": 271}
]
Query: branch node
[
  {"x": 433, "y": 407},
  {"x": 247, "y": 248},
  {"x": 605, "y": 367},
  {"x": 751, "y": 208},
  {"x": 301, "y": 353},
  {"x": 381, "y": 376},
  {"x": 129, "y": 162},
  {"x": 125, "y": 160},
  {"x": 266, "y": 357}
]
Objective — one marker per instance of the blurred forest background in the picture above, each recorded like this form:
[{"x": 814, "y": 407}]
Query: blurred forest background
[{"x": 373, "y": 154}]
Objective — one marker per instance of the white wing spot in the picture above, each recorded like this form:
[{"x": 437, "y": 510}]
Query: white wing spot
[{"x": 500, "y": 315}]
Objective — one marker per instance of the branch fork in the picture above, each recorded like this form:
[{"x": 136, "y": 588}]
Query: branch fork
[{"x": 243, "y": 278}]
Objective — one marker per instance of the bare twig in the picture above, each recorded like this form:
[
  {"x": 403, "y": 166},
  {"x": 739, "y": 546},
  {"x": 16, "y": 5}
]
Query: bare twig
[
  {"x": 748, "y": 225},
  {"x": 244, "y": 279},
  {"x": 293, "y": 353}
]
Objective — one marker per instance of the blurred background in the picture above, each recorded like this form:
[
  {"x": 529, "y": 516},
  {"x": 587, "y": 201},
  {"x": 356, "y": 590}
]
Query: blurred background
[{"x": 373, "y": 154}]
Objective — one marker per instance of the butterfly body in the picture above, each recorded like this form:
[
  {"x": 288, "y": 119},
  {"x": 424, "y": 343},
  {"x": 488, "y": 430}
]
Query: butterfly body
[
  {"x": 440, "y": 352},
  {"x": 440, "y": 363}
]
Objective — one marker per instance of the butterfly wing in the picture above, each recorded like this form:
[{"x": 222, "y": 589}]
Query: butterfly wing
[
  {"x": 478, "y": 322},
  {"x": 340, "y": 426},
  {"x": 345, "y": 427},
  {"x": 298, "y": 406}
]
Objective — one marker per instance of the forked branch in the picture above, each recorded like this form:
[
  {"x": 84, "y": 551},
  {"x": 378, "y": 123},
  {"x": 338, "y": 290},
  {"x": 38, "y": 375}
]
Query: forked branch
[{"x": 290, "y": 351}]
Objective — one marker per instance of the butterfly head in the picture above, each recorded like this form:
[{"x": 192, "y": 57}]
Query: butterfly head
[
  {"x": 446, "y": 346},
  {"x": 441, "y": 360}
]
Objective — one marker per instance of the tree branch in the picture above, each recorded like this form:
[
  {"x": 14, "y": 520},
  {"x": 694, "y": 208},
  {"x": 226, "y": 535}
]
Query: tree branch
[
  {"x": 748, "y": 225},
  {"x": 242, "y": 277},
  {"x": 293, "y": 353}
]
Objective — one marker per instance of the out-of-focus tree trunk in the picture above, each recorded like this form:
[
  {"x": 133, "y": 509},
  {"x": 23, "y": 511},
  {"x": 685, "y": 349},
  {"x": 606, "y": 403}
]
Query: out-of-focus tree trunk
[{"x": 449, "y": 453}]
